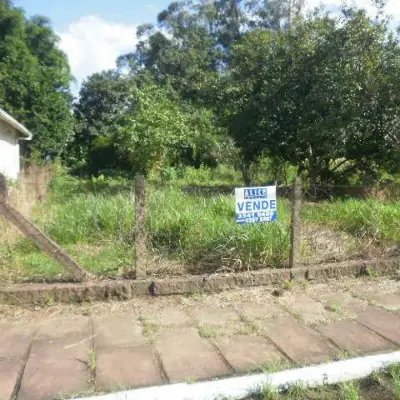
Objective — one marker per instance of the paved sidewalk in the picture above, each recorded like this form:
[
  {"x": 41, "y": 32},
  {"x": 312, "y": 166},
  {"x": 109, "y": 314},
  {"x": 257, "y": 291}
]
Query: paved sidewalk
[{"x": 59, "y": 351}]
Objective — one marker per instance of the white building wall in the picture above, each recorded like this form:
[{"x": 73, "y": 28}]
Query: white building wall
[{"x": 9, "y": 151}]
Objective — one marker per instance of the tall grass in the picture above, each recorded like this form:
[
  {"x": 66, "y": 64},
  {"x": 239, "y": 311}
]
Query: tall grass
[
  {"x": 95, "y": 220},
  {"x": 371, "y": 218},
  {"x": 199, "y": 228},
  {"x": 89, "y": 218},
  {"x": 190, "y": 228}
]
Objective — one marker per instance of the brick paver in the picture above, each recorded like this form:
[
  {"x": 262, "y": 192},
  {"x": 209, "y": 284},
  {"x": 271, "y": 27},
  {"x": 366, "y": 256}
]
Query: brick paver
[
  {"x": 168, "y": 317},
  {"x": 117, "y": 330},
  {"x": 300, "y": 343},
  {"x": 382, "y": 322},
  {"x": 55, "y": 367},
  {"x": 185, "y": 355},
  {"x": 390, "y": 301},
  {"x": 15, "y": 340},
  {"x": 305, "y": 308},
  {"x": 118, "y": 368},
  {"x": 9, "y": 374},
  {"x": 261, "y": 311},
  {"x": 344, "y": 303},
  {"x": 355, "y": 338},
  {"x": 72, "y": 353},
  {"x": 246, "y": 353},
  {"x": 217, "y": 316}
]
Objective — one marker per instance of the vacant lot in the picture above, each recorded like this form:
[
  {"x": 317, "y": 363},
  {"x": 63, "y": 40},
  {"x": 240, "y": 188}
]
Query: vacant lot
[{"x": 189, "y": 233}]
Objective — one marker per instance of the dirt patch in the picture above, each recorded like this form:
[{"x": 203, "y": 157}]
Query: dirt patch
[{"x": 323, "y": 244}]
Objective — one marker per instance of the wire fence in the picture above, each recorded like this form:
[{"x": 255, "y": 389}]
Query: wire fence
[{"x": 313, "y": 192}]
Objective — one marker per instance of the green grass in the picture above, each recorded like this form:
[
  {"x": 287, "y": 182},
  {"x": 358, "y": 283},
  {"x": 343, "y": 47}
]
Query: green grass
[
  {"x": 97, "y": 229},
  {"x": 363, "y": 218},
  {"x": 198, "y": 228},
  {"x": 95, "y": 220}
]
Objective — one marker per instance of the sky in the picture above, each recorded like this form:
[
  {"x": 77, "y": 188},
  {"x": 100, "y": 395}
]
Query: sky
[{"x": 93, "y": 33}]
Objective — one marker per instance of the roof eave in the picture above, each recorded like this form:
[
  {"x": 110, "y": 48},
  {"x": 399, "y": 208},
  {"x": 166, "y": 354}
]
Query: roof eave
[{"x": 26, "y": 134}]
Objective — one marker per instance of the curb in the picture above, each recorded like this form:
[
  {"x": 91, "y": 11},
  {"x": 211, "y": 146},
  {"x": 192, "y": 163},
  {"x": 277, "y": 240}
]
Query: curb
[
  {"x": 241, "y": 387},
  {"x": 124, "y": 289}
]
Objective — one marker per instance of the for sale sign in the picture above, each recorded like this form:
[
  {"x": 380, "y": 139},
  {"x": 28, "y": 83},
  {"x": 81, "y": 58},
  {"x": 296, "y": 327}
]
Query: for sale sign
[{"x": 256, "y": 205}]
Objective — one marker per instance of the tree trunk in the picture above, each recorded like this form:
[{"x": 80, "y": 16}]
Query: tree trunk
[{"x": 245, "y": 169}]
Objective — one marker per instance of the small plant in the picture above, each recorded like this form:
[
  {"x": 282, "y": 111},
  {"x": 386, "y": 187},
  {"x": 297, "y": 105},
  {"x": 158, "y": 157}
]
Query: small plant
[
  {"x": 395, "y": 376},
  {"x": 149, "y": 328},
  {"x": 190, "y": 380},
  {"x": 350, "y": 390},
  {"x": 288, "y": 285},
  {"x": 369, "y": 271},
  {"x": 274, "y": 366},
  {"x": 297, "y": 391},
  {"x": 207, "y": 331},
  {"x": 334, "y": 306},
  {"x": 92, "y": 361},
  {"x": 252, "y": 326},
  {"x": 268, "y": 392}
]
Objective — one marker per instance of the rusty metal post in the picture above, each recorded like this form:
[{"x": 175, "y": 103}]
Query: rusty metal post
[
  {"x": 295, "y": 235},
  {"x": 140, "y": 233}
]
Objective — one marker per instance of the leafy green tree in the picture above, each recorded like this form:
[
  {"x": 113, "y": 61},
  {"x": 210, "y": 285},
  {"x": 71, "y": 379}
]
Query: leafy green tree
[
  {"x": 34, "y": 80},
  {"x": 274, "y": 14},
  {"x": 157, "y": 129},
  {"x": 317, "y": 94},
  {"x": 103, "y": 99}
]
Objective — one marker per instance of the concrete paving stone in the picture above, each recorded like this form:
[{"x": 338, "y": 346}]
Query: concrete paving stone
[
  {"x": 173, "y": 316},
  {"x": 245, "y": 353},
  {"x": 261, "y": 311},
  {"x": 44, "y": 350},
  {"x": 9, "y": 374},
  {"x": 382, "y": 322},
  {"x": 306, "y": 308},
  {"x": 185, "y": 355},
  {"x": 211, "y": 315},
  {"x": 302, "y": 344},
  {"x": 127, "y": 367},
  {"x": 117, "y": 331},
  {"x": 355, "y": 338},
  {"x": 15, "y": 339},
  {"x": 389, "y": 301},
  {"x": 348, "y": 304},
  {"x": 55, "y": 368},
  {"x": 75, "y": 326}
]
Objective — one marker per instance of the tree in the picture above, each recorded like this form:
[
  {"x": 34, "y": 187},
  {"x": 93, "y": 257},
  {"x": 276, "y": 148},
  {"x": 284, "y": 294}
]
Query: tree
[
  {"x": 103, "y": 100},
  {"x": 34, "y": 80},
  {"x": 157, "y": 129},
  {"x": 274, "y": 14},
  {"x": 317, "y": 95}
]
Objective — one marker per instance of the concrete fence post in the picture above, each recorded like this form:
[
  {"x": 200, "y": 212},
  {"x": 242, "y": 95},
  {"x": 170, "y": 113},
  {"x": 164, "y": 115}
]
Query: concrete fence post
[
  {"x": 295, "y": 234},
  {"x": 140, "y": 233}
]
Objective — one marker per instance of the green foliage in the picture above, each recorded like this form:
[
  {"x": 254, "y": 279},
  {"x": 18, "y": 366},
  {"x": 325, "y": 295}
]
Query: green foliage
[
  {"x": 371, "y": 218},
  {"x": 34, "y": 80},
  {"x": 186, "y": 228},
  {"x": 350, "y": 390},
  {"x": 321, "y": 95},
  {"x": 199, "y": 228},
  {"x": 157, "y": 129},
  {"x": 103, "y": 99},
  {"x": 394, "y": 373}
]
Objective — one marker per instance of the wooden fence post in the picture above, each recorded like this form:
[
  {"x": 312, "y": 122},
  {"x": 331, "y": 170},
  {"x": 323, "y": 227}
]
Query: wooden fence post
[
  {"x": 140, "y": 233},
  {"x": 3, "y": 187},
  {"x": 295, "y": 236},
  {"x": 31, "y": 231}
]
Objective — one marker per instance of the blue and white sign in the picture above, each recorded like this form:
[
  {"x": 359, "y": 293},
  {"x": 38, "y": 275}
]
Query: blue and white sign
[{"x": 256, "y": 204}]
